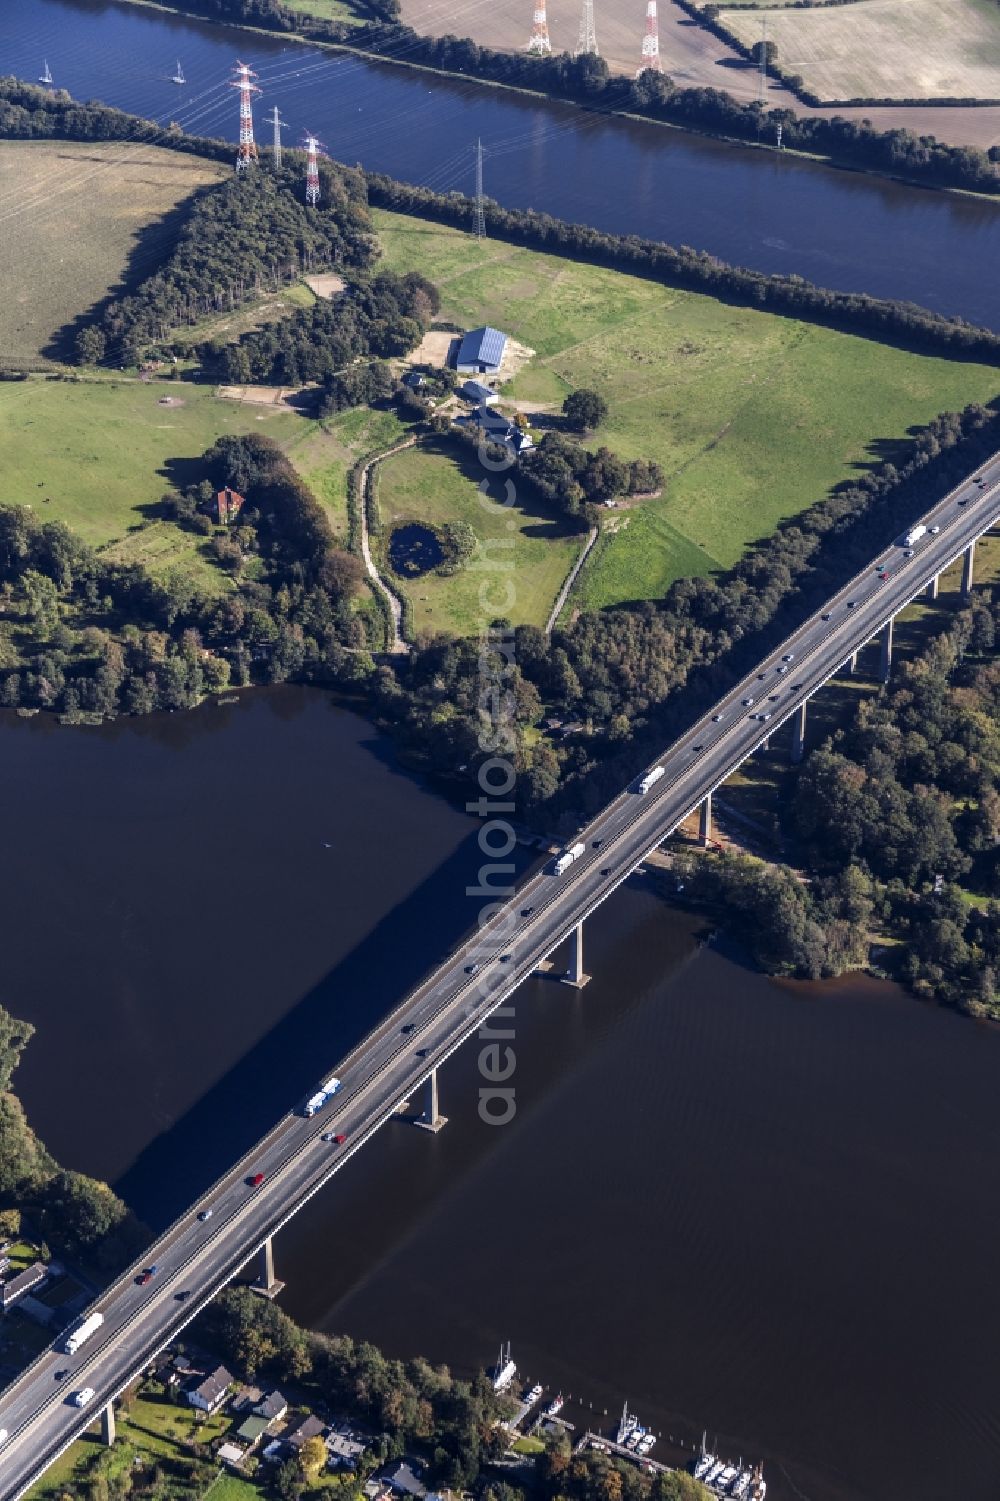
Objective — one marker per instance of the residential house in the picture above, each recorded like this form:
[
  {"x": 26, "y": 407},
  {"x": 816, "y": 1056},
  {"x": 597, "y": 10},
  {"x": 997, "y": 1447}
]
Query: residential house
[
  {"x": 345, "y": 1448},
  {"x": 210, "y": 1393},
  {"x": 231, "y": 1454},
  {"x": 477, "y": 393},
  {"x": 273, "y": 1407},
  {"x": 16, "y": 1287},
  {"x": 251, "y": 1431},
  {"x": 403, "y": 1479},
  {"x": 310, "y": 1427},
  {"x": 229, "y": 504}
]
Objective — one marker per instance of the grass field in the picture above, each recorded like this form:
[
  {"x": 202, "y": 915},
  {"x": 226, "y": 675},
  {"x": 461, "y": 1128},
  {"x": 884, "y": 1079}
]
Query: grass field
[
  {"x": 427, "y": 484},
  {"x": 886, "y": 49},
  {"x": 752, "y": 416},
  {"x": 326, "y": 452},
  {"x": 80, "y": 209},
  {"x": 97, "y": 454},
  {"x": 329, "y": 10}
]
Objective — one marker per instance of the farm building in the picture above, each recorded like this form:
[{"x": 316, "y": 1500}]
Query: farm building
[
  {"x": 481, "y": 351},
  {"x": 229, "y": 504},
  {"x": 476, "y": 392}
]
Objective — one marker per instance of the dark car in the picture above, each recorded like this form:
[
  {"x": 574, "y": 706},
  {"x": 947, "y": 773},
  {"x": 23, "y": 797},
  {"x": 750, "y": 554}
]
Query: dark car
[
  {"x": 851, "y": 603},
  {"x": 505, "y": 958},
  {"x": 182, "y": 1297},
  {"x": 410, "y": 1027},
  {"x": 605, "y": 870},
  {"x": 598, "y": 843},
  {"x": 527, "y": 911},
  {"x": 423, "y": 1052},
  {"x": 205, "y": 1214},
  {"x": 61, "y": 1375},
  {"x": 825, "y": 617},
  {"x": 255, "y": 1180}
]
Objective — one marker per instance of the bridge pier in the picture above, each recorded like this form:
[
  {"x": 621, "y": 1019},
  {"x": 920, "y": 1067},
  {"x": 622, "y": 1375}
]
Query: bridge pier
[
  {"x": 852, "y": 663},
  {"x": 799, "y": 733},
  {"x": 932, "y": 587},
  {"x": 108, "y": 1424},
  {"x": 885, "y": 665},
  {"x": 968, "y": 569},
  {"x": 705, "y": 823},
  {"x": 432, "y": 1119},
  {"x": 574, "y": 975},
  {"x": 267, "y": 1284}
]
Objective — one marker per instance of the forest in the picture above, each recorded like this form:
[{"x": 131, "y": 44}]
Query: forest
[{"x": 87, "y": 637}]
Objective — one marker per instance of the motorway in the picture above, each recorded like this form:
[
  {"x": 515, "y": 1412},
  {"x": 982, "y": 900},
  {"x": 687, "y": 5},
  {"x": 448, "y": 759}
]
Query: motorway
[{"x": 197, "y": 1257}]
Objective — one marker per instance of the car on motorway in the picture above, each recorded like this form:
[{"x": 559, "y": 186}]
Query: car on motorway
[
  {"x": 409, "y": 1027},
  {"x": 697, "y": 748},
  {"x": 3, "y": 1435},
  {"x": 471, "y": 969},
  {"x": 963, "y": 500},
  {"x": 716, "y": 718},
  {"x": 83, "y": 1396},
  {"x": 762, "y": 676},
  {"x": 747, "y": 702},
  {"x": 781, "y": 667},
  {"x": 775, "y": 697},
  {"x": 527, "y": 911},
  {"x": 61, "y": 1375},
  {"x": 935, "y": 530},
  {"x": 826, "y": 616},
  {"x": 334, "y": 1138},
  {"x": 255, "y": 1180},
  {"x": 147, "y": 1275},
  {"x": 788, "y": 657},
  {"x": 205, "y": 1214},
  {"x": 908, "y": 553},
  {"x": 852, "y": 604},
  {"x": 605, "y": 870},
  {"x": 764, "y": 716},
  {"x": 505, "y": 958},
  {"x": 423, "y": 1052},
  {"x": 883, "y": 575},
  {"x": 182, "y": 1297}
]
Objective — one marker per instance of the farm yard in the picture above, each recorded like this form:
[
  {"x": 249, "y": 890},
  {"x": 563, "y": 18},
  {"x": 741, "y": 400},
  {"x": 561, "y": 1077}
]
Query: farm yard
[
  {"x": 885, "y": 49},
  {"x": 751, "y": 416},
  {"x": 81, "y": 207}
]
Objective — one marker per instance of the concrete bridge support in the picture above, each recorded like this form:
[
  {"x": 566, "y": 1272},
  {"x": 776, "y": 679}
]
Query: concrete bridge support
[
  {"x": 705, "y": 823},
  {"x": 574, "y": 975},
  {"x": 799, "y": 733},
  {"x": 267, "y": 1284},
  {"x": 885, "y": 665},
  {"x": 968, "y": 569},
  {"x": 852, "y": 663},
  {"x": 932, "y": 587},
  {"x": 108, "y": 1424},
  {"x": 432, "y": 1119}
]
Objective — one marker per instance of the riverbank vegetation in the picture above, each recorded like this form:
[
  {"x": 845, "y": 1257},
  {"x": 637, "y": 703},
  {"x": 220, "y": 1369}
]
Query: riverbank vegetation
[{"x": 77, "y": 1217}]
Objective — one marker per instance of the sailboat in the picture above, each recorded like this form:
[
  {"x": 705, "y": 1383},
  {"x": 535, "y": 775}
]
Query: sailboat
[
  {"x": 45, "y": 76},
  {"x": 179, "y": 75}
]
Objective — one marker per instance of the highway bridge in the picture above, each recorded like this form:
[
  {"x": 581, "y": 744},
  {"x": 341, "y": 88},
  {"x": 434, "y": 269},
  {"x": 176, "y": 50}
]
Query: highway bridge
[{"x": 236, "y": 1218}]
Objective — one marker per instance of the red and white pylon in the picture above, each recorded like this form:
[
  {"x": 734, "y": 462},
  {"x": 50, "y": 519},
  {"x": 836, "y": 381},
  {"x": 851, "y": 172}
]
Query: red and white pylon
[
  {"x": 538, "y": 42},
  {"x": 650, "y": 42},
  {"x": 313, "y": 148},
  {"x": 243, "y": 81}
]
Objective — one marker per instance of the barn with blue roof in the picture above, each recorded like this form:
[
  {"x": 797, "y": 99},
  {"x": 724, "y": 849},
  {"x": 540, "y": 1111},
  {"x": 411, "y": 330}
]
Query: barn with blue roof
[{"x": 481, "y": 351}]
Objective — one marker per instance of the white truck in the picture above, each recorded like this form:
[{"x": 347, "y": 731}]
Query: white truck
[
  {"x": 650, "y": 777},
  {"x": 567, "y": 857},
  {"x": 914, "y": 534},
  {"x": 318, "y": 1100},
  {"x": 82, "y": 1332}
]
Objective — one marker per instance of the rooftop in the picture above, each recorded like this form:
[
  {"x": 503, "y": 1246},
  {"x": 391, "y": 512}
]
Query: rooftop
[{"x": 481, "y": 347}]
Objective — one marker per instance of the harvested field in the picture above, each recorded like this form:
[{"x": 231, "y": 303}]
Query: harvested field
[
  {"x": 81, "y": 209},
  {"x": 886, "y": 49},
  {"x": 433, "y": 349}
]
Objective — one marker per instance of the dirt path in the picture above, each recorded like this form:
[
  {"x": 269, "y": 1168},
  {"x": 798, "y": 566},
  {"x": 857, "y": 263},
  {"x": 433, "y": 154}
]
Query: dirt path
[
  {"x": 571, "y": 580},
  {"x": 397, "y": 645}
]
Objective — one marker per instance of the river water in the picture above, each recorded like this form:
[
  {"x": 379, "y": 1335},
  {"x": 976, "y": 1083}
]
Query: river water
[
  {"x": 840, "y": 229},
  {"x": 764, "y": 1209}
]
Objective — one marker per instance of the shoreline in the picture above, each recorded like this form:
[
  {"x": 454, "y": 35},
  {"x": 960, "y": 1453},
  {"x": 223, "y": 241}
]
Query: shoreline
[{"x": 832, "y": 162}]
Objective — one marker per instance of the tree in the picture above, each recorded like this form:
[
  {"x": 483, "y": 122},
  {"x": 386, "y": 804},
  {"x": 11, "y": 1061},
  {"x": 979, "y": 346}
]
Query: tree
[
  {"x": 312, "y": 1455},
  {"x": 14, "y": 1037},
  {"x": 90, "y": 345},
  {"x": 584, "y": 409}
]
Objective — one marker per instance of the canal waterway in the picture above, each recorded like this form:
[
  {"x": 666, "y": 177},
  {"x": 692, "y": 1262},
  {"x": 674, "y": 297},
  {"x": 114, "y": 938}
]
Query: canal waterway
[
  {"x": 764, "y": 1209},
  {"x": 841, "y": 229}
]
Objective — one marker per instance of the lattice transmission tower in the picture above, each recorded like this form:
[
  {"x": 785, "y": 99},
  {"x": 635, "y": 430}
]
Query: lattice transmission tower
[
  {"x": 247, "y": 154},
  {"x": 313, "y": 148},
  {"x": 587, "y": 41},
  {"x": 538, "y": 42},
  {"x": 650, "y": 56},
  {"x": 276, "y": 124},
  {"x": 480, "y": 215}
]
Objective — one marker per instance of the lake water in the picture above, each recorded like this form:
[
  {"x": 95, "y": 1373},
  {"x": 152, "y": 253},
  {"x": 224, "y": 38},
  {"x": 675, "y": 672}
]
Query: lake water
[
  {"x": 764, "y": 1209},
  {"x": 840, "y": 229}
]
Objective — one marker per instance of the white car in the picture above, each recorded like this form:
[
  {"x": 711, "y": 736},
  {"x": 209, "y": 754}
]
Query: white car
[
  {"x": 4, "y": 1435},
  {"x": 935, "y": 530},
  {"x": 83, "y": 1396}
]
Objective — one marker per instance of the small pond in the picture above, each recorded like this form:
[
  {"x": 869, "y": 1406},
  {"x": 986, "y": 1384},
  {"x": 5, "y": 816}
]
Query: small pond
[{"x": 414, "y": 549}]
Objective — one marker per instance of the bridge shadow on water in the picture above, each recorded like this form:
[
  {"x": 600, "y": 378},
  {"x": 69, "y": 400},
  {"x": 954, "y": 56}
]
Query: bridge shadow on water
[{"x": 176, "y": 1167}]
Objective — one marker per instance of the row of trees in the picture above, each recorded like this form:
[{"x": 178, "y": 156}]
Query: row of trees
[
  {"x": 383, "y": 315},
  {"x": 858, "y": 312}
]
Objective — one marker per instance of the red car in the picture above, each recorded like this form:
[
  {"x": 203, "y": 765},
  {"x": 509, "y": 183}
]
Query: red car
[
  {"x": 255, "y": 1180},
  {"x": 146, "y": 1276},
  {"x": 883, "y": 575}
]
